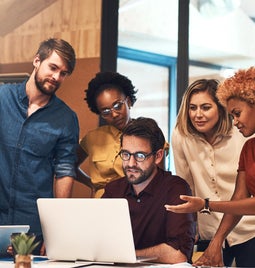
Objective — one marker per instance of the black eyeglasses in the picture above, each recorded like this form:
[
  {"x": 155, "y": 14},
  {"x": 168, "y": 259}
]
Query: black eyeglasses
[
  {"x": 116, "y": 107},
  {"x": 139, "y": 156}
]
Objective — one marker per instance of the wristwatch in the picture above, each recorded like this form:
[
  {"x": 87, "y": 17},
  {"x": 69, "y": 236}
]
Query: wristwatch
[{"x": 206, "y": 209}]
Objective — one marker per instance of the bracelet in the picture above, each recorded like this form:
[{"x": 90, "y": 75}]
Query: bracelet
[{"x": 206, "y": 209}]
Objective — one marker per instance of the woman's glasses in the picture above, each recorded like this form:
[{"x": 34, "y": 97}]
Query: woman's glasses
[{"x": 116, "y": 107}]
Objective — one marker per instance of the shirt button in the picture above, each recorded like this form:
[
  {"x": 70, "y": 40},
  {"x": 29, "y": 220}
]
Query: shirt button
[{"x": 138, "y": 200}]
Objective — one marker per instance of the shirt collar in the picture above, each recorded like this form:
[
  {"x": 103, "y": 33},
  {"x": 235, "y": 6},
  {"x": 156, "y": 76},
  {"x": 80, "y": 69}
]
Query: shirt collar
[
  {"x": 151, "y": 187},
  {"x": 22, "y": 91},
  {"x": 23, "y": 96},
  {"x": 115, "y": 132},
  {"x": 219, "y": 138}
]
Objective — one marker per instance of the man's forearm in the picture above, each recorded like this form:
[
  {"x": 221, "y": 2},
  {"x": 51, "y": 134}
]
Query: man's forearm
[
  {"x": 63, "y": 187},
  {"x": 163, "y": 253}
]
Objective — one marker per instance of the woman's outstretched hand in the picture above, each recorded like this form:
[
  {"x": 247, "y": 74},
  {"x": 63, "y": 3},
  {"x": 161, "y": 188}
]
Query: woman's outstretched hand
[{"x": 193, "y": 204}]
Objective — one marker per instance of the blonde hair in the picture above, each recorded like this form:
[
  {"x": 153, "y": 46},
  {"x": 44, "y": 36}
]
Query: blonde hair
[
  {"x": 183, "y": 122},
  {"x": 241, "y": 86}
]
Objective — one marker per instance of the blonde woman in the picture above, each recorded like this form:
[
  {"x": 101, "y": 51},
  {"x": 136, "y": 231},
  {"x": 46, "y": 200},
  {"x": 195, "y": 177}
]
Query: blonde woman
[{"x": 206, "y": 151}]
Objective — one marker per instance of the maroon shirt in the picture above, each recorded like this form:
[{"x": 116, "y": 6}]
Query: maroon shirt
[
  {"x": 247, "y": 164},
  {"x": 151, "y": 223}
]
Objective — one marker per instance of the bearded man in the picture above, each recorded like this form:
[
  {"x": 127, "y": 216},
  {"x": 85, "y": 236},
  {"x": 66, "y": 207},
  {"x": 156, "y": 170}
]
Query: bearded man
[
  {"x": 38, "y": 137},
  {"x": 169, "y": 238}
]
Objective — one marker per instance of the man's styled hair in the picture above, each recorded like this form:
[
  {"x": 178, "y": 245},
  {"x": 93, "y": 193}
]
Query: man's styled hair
[
  {"x": 105, "y": 80},
  {"x": 145, "y": 128},
  {"x": 61, "y": 47}
]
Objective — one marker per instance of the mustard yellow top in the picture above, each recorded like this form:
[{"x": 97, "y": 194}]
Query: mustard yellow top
[{"x": 102, "y": 146}]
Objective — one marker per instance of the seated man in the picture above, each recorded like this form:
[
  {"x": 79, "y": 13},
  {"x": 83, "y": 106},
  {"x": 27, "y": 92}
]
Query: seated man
[{"x": 157, "y": 233}]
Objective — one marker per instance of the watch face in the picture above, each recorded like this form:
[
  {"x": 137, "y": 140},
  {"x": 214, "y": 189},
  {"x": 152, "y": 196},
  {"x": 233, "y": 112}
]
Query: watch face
[{"x": 205, "y": 211}]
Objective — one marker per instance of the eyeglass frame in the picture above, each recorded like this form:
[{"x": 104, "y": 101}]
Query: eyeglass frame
[
  {"x": 118, "y": 110},
  {"x": 135, "y": 155}
]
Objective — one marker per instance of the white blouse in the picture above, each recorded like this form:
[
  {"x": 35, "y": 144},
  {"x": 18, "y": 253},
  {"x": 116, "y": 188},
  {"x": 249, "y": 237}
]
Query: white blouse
[{"x": 211, "y": 172}]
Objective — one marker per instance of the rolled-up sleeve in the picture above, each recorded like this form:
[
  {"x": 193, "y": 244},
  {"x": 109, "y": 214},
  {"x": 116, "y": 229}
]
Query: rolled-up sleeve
[{"x": 65, "y": 153}]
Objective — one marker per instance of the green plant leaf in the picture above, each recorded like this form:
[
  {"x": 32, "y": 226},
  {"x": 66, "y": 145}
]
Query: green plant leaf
[{"x": 24, "y": 244}]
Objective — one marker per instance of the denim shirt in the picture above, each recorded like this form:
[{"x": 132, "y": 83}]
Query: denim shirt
[{"x": 33, "y": 150}]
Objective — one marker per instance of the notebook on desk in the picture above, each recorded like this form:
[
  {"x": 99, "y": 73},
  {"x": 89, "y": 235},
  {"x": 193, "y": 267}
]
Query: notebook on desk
[{"x": 89, "y": 229}]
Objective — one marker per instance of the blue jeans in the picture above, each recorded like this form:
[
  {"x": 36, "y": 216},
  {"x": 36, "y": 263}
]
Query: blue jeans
[{"x": 244, "y": 254}]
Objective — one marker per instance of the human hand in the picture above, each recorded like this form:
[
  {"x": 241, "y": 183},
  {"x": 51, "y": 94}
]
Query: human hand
[
  {"x": 10, "y": 250},
  {"x": 43, "y": 250},
  {"x": 193, "y": 204},
  {"x": 212, "y": 256}
]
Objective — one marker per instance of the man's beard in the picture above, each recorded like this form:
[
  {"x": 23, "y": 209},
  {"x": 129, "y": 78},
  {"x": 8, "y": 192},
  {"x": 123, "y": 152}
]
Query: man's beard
[
  {"x": 46, "y": 91},
  {"x": 144, "y": 175}
]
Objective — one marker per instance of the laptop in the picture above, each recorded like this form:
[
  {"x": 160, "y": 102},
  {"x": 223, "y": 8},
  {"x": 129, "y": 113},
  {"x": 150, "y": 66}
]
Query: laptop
[
  {"x": 88, "y": 229},
  {"x": 5, "y": 233}
]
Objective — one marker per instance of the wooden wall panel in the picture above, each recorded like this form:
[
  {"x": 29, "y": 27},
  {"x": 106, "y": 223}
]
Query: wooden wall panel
[
  {"x": 72, "y": 92},
  {"x": 76, "y": 21},
  {"x": 13, "y": 13}
]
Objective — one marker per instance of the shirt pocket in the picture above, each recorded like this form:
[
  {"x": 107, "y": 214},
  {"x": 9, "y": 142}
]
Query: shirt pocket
[{"x": 103, "y": 162}]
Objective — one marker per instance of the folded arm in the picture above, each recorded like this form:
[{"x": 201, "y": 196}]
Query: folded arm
[{"x": 163, "y": 253}]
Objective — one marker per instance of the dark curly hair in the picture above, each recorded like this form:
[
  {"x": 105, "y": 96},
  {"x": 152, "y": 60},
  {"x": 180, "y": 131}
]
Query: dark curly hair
[{"x": 104, "y": 80}]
